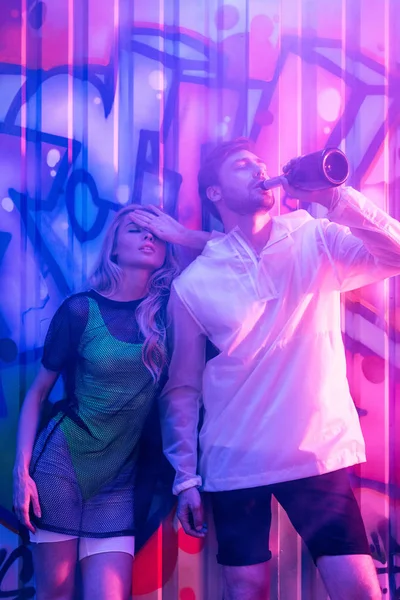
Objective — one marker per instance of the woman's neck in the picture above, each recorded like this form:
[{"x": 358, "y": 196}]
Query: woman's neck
[{"x": 133, "y": 285}]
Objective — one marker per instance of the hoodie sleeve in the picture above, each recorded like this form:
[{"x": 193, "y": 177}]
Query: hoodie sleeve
[
  {"x": 181, "y": 397},
  {"x": 362, "y": 241}
]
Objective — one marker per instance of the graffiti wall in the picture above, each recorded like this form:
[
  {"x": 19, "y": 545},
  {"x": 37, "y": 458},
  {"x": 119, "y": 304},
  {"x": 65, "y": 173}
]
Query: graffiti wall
[{"x": 103, "y": 103}]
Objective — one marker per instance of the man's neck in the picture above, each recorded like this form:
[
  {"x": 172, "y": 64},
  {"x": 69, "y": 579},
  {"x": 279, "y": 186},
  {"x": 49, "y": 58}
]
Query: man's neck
[{"x": 255, "y": 228}]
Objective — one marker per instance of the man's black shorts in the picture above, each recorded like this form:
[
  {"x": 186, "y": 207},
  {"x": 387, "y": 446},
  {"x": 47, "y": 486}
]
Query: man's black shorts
[{"x": 322, "y": 509}]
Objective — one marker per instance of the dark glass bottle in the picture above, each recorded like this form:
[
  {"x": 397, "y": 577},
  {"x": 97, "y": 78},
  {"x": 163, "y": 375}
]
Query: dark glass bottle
[{"x": 316, "y": 171}]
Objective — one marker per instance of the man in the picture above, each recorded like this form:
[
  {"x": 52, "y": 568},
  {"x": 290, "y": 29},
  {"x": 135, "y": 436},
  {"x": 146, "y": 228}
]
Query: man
[{"x": 278, "y": 415}]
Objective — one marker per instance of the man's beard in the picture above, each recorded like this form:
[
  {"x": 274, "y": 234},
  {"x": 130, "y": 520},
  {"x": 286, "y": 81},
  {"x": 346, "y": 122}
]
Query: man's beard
[{"x": 267, "y": 200}]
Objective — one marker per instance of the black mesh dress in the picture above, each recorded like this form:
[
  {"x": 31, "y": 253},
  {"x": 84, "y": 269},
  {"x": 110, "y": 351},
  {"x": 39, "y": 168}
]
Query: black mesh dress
[{"x": 84, "y": 460}]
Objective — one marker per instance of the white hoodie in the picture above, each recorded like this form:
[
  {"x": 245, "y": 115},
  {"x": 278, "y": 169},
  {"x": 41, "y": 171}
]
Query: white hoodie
[{"x": 276, "y": 398}]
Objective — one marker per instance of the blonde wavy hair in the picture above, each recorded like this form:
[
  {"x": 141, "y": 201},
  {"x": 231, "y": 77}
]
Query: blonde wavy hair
[{"x": 151, "y": 312}]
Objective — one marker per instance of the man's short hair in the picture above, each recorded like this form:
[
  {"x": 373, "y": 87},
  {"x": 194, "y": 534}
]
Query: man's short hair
[{"x": 209, "y": 170}]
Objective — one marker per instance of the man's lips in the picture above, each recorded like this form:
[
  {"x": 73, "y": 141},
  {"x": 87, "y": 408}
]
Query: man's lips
[{"x": 260, "y": 185}]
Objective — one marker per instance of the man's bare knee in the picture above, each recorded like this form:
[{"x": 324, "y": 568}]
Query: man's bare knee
[
  {"x": 246, "y": 583},
  {"x": 350, "y": 577}
]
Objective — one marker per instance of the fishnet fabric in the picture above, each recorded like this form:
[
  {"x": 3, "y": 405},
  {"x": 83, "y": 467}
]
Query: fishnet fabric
[{"x": 84, "y": 460}]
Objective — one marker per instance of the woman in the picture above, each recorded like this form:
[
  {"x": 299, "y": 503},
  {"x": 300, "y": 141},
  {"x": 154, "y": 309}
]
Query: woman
[{"x": 73, "y": 480}]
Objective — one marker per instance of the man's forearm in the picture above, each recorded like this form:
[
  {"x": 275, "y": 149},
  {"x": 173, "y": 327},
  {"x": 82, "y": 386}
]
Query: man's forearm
[
  {"x": 195, "y": 239},
  {"x": 179, "y": 422},
  {"x": 373, "y": 226}
]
